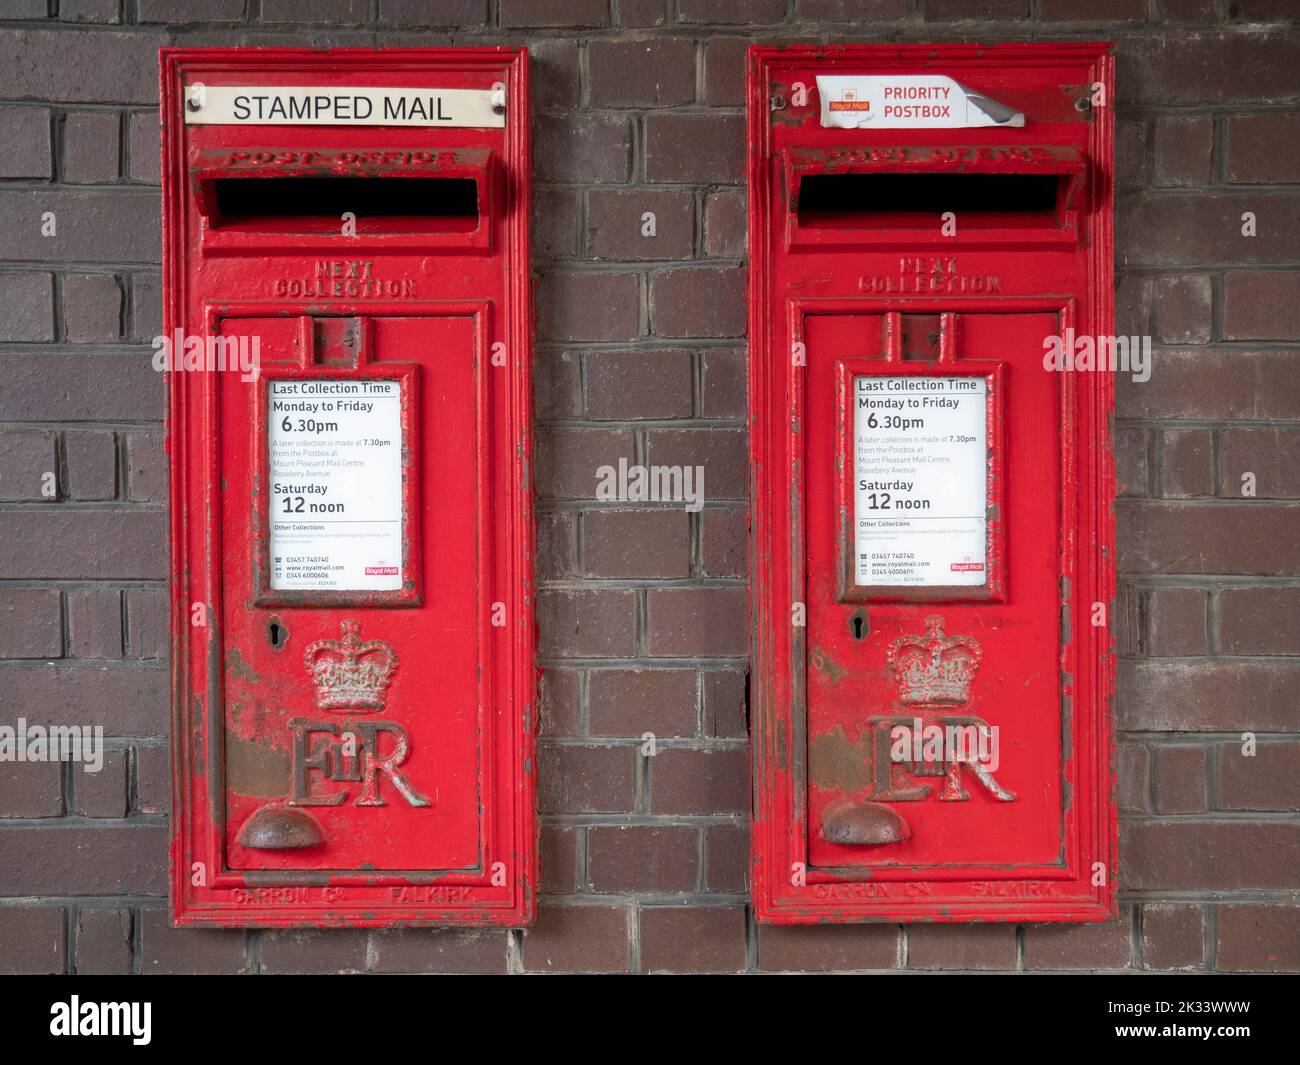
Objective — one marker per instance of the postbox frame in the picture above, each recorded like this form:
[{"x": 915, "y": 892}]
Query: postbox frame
[
  {"x": 356, "y": 898},
  {"x": 787, "y": 888}
]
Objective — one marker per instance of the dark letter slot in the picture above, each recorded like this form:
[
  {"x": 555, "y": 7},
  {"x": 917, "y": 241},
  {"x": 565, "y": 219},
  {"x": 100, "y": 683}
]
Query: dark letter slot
[{"x": 892, "y": 201}]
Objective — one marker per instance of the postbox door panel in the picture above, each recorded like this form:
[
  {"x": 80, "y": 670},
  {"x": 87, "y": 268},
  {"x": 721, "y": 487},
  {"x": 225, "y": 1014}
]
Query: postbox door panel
[
  {"x": 392, "y": 778},
  {"x": 1004, "y": 815}
]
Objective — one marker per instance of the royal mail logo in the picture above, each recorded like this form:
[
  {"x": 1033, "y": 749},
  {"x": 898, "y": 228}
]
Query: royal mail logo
[
  {"x": 849, "y": 101},
  {"x": 933, "y": 669},
  {"x": 967, "y": 567},
  {"x": 381, "y": 571},
  {"x": 351, "y": 676}
]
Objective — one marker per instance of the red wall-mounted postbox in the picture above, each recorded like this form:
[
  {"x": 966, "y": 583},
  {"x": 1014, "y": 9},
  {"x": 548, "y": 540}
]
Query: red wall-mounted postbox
[
  {"x": 348, "y": 345},
  {"x": 932, "y": 531}
]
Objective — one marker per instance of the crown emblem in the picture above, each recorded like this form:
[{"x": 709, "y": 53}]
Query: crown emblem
[
  {"x": 350, "y": 675},
  {"x": 933, "y": 669}
]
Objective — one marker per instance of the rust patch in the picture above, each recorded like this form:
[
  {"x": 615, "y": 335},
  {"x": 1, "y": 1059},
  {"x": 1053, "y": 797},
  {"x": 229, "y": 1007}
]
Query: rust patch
[
  {"x": 837, "y": 763},
  {"x": 237, "y": 667},
  {"x": 827, "y": 666},
  {"x": 253, "y": 769}
]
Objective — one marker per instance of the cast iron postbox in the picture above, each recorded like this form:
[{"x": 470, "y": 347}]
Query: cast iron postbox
[
  {"x": 347, "y": 334},
  {"x": 932, "y": 531}
]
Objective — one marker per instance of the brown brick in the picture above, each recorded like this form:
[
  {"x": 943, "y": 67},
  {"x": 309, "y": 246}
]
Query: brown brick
[
  {"x": 723, "y": 540},
  {"x": 153, "y": 779},
  {"x": 104, "y": 544},
  {"x": 702, "y": 148},
  {"x": 147, "y": 628},
  {"x": 722, "y": 454},
  {"x": 983, "y": 10},
  {"x": 1214, "y": 384},
  {"x": 28, "y": 466},
  {"x": 441, "y": 950},
  {"x": 724, "y": 703},
  {"x": 91, "y": 147},
  {"x": 1084, "y": 11},
  {"x": 516, "y": 14},
  {"x": 31, "y": 940},
  {"x": 1264, "y": 149},
  {"x": 354, "y": 12},
  {"x": 654, "y": 72},
  {"x": 1259, "y": 621},
  {"x": 144, "y": 136},
  {"x": 557, "y": 546},
  {"x": 146, "y": 468},
  {"x": 724, "y": 71},
  {"x": 557, "y": 850},
  {"x": 25, "y": 143},
  {"x": 28, "y": 300},
  {"x": 30, "y": 623},
  {"x": 726, "y": 858},
  {"x": 701, "y": 939},
  {"x": 191, "y": 10},
  {"x": 1269, "y": 780},
  {"x": 827, "y": 948},
  {"x": 640, "y": 544},
  {"x": 1131, "y": 444},
  {"x": 686, "y": 622},
  {"x": 1133, "y": 794},
  {"x": 1192, "y": 696},
  {"x": 723, "y": 394},
  {"x": 1261, "y": 11},
  {"x": 1183, "y": 309},
  {"x": 623, "y": 385},
  {"x": 1104, "y": 945},
  {"x": 95, "y": 622},
  {"x": 1257, "y": 939},
  {"x": 121, "y": 859},
  {"x": 592, "y": 149},
  {"x": 92, "y": 307},
  {"x": 557, "y": 223},
  {"x": 587, "y": 623},
  {"x": 30, "y": 789},
  {"x": 631, "y": 702},
  {"x": 1176, "y": 619},
  {"x": 587, "y": 305},
  {"x": 103, "y": 942},
  {"x": 80, "y": 388},
  {"x": 1272, "y": 456},
  {"x": 1128, "y": 619},
  {"x": 1180, "y": 780},
  {"x": 1190, "y": 855},
  {"x": 709, "y": 781},
  {"x": 724, "y": 224},
  {"x": 1219, "y": 67},
  {"x": 642, "y": 14},
  {"x": 1209, "y": 537},
  {"x": 1132, "y": 160},
  {"x": 105, "y": 11},
  {"x": 570, "y": 461},
  {"x": 1173, "y": 936},
  {"x": 168, "y": 950},
  {"x": 92, "y": 465},
  {"x": 146, "y": 306},
  {"x": 559, "y": 699},
  {"x": 736, "y": 12},
  {"x": 852, "y": 10},
  {"x": 585, "y": 780},
  {"x": 1184, "y": 149},
  {"x": 642, "y": 858},
  {"x": 577, "y": 939},
  {"x": 127, "y": 701},
  {"x": 553, "y": 68},
  {"x": 1261, "y": 306},
  {"x": 102, "y": 225},
  {"x": 950, "y": 946},
  {"x": 617, "y": 227},
  {"x": 334, "y": 950},
  {"x": 101, "y": 794},
  {"x": 80, "y": 66},
  {"x": 698, "y": 301},
  {"x": 1205, "y": 229},
  {"x": 555, "y": 385}
]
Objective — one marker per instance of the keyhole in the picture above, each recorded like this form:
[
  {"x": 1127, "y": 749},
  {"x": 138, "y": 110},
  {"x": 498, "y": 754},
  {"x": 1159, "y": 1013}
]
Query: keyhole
[
  {"x": 858, "y": 624},
  {"x": 277, "y": 633}
]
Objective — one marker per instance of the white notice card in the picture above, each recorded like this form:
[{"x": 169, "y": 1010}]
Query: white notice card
[
  {"x": 335, "y": 450},
  {"x": 920, "y": 480}
]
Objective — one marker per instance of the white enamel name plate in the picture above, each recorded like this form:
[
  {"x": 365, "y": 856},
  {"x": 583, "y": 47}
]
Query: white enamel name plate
[{"x": 319, "y": 105}]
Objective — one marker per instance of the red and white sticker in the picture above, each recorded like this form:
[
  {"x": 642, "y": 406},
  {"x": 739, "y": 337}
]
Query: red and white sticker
[{"x": 907, "y": 101}]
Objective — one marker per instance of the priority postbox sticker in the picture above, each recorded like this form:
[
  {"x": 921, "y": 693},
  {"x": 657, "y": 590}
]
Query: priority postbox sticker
[
  {"x": 334, "y": 452},
  {"x": 907, "y": 101}
]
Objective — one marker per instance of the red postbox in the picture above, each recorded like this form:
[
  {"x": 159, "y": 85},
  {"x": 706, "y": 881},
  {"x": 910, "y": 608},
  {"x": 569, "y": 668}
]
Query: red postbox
[
  {"x": 932, "y": 535},
  {"x": 348, "y": 344}
]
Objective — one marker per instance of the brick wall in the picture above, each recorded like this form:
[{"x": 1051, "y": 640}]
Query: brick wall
[{"x": 638, "y": 107}]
